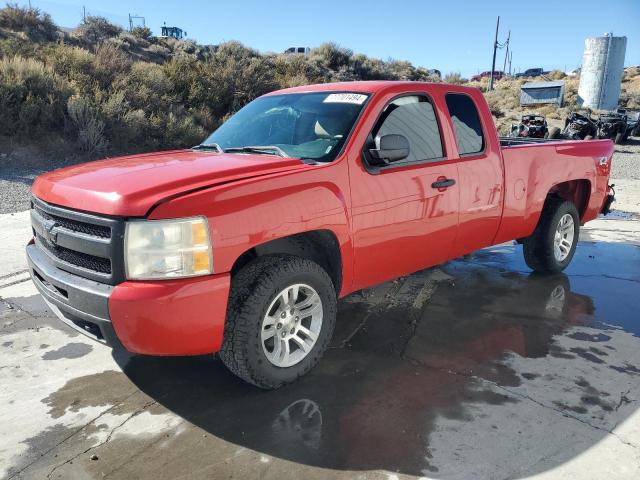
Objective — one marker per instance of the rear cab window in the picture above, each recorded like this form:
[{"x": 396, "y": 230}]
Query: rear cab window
[{"x": 466, "y": 123}]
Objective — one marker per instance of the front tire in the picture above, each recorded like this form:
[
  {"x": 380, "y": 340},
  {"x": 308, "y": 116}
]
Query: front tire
[
  {"x": 619, "y": 138},
  {"x": 553, "y": 243},
  {"x": 280, "y": 319}
]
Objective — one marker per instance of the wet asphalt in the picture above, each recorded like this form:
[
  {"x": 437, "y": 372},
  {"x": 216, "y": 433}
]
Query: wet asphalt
[{"x": 474, "y": 369}]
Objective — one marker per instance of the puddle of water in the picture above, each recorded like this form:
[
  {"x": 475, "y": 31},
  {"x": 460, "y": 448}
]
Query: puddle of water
[{"x": 619, "y": 215}]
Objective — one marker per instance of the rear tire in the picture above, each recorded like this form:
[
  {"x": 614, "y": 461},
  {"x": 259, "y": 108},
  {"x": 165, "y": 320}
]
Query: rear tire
[
  {"x": 251, "y": 339},
  {"x": 551, "y": 246},
  {"x": 619, "y": 138}
]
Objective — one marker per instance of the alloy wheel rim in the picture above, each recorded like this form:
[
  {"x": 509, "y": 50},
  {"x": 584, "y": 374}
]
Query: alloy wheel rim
[
  {"x": 291, "y": 325},
  {"x": 563, "y": 238},
  {"x": 556, "y": 301}
]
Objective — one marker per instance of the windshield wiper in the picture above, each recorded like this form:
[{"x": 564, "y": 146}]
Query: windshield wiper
[
  {"x": 208, "y": 146},
  {"x": 267, "y": 149}
]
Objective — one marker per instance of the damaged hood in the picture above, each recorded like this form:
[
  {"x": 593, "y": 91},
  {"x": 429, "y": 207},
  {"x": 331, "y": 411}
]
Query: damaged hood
[{"x": 132, "y": 185}]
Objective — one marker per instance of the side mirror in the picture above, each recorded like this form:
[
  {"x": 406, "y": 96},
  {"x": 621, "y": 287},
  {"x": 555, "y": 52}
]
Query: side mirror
[{"x": 391, "y": 148}]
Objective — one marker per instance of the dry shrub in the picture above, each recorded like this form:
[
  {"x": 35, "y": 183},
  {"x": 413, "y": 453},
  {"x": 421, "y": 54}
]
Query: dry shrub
[
  {"x": 96, "y": 29},
  {"x": 454, "y": 78},
  {"x": 110, "y": 62},
  {"x": 32, "y": 97},
  {"x": 504, "y": 98},
  {"x": 37, "y": 25},
  {"x": 142, "y": 32},
  {"x": 331, "y": 55},
  {"x": 146, "y": 86},
  {"x": 77, "y": 65},
  {"x": 89, "y": 129},
  {"x": 556, "y": 75}
]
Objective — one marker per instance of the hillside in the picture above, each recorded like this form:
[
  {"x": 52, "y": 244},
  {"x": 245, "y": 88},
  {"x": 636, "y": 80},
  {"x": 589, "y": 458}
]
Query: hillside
[{"x": 98, "y": 90}]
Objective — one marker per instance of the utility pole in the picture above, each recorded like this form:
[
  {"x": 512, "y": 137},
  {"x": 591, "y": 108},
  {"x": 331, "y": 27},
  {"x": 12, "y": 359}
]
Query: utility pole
[
  {"x": 506, "y": 53},
  {"x": 84, "y": 14},
  {"x": 495, "y": 47},
  {"x": 510, "y": 59}
]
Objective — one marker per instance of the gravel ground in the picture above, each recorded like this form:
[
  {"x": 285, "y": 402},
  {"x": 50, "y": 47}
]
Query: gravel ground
[
  {"x": 626, "y": 161},
  {"x": 14, "y": 189},
  {"x": 15, "y": 182},
  {"x": 16, "y": 179}
]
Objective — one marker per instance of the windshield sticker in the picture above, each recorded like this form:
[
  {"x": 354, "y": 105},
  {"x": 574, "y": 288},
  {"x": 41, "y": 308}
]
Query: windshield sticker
[{"x": 356, "y": 98}]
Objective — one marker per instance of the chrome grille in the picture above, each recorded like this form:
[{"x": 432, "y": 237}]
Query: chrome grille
[
  {"x": 75, "y": 226},
  {"x": 90, "y": 262},
  {"x": 84, "y": 244}
]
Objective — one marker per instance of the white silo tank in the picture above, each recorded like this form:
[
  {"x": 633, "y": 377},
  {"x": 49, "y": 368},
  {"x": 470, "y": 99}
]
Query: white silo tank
[{"x": 602, "y": 69}]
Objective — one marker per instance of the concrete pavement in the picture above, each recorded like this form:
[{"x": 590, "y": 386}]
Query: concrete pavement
[{"x": 476, "y": 369}]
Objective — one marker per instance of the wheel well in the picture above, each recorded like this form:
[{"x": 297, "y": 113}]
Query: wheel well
[
  {"x": 320, "y": 246},
  {"x": 576, "y": 191}
]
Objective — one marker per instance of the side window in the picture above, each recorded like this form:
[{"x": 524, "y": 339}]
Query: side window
[
  {"x": 466, "y": 123},
  {"x": 412, "y": 116}
]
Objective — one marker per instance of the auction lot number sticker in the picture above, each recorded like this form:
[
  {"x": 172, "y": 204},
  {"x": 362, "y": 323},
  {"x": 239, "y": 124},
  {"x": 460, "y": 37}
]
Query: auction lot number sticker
[{"x": 356, "y": 98}]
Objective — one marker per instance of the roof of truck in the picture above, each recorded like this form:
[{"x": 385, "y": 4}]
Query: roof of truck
[{"x": 372, "y": 86}]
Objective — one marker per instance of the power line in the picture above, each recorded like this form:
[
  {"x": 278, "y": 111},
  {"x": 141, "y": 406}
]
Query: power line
[{"x": 506, "y": 53}]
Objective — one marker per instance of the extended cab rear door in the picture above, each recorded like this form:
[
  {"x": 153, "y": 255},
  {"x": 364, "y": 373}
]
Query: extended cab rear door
[
  {"x": 480, "y": 175},
  {"x": 403, "y": 219}
]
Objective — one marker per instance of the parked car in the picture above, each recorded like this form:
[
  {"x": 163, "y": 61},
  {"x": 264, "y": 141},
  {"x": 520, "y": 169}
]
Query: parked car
[
  {"x": 297, "y": 50},
  {"x": 613, "y": 125},
  {"x": 242, "y": 245},
  {"x": 531, "y": 72},
  {"x": 497, "y": 75},
  {"x": 531, "y": 125},
  {"x": 579, "y": 125}
]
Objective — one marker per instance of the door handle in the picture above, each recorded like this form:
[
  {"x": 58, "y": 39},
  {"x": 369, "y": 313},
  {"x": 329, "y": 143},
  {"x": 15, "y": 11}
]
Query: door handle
[{"x": 447, "y": 182}]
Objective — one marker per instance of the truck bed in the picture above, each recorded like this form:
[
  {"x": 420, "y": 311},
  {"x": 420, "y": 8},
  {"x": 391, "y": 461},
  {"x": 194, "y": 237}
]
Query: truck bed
[{"x": 511, "y": 141}]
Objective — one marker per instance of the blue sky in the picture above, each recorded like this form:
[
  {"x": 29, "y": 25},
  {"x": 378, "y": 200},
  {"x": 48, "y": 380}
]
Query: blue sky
[{"x": 451, "y": 35}]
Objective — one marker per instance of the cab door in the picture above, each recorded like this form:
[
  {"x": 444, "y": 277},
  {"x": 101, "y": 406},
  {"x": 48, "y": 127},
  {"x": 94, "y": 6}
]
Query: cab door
[
  {"x": 480, "y": 176},
  {"x": 405, "y": 213}
]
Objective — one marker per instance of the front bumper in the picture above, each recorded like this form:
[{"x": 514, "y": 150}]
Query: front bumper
[
  {"x": 177, "y": 317},
  {"x": 79, "y": 302}
]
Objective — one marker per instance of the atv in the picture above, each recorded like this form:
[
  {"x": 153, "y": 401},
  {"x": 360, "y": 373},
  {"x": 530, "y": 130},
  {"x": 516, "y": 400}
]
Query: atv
[
  {"x": 633, "y": 122},
  {"x": 531, "y": 125},
  {"x": 579, "y": 125},
  {"x": 613, "y": 125}
]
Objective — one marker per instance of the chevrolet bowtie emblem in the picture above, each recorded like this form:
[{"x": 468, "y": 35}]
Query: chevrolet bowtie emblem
[{"x": 51, "y": 232}]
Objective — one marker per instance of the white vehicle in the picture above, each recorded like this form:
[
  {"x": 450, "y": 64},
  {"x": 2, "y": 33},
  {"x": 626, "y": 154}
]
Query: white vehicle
[{"x": 299, "y": 50}]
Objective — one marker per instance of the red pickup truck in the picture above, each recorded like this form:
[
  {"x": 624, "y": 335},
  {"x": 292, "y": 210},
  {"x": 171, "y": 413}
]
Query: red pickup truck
[{"x": 243, "y": 244}]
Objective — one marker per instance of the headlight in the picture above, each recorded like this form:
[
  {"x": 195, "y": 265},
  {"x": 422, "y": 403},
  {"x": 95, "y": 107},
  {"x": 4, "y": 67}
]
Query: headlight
[{"x": 157, "y": 249}]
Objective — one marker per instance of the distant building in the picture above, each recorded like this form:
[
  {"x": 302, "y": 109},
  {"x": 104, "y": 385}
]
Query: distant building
[
  {"x": 173, "y": 32},
  {"x": 540, "y": 93}
]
